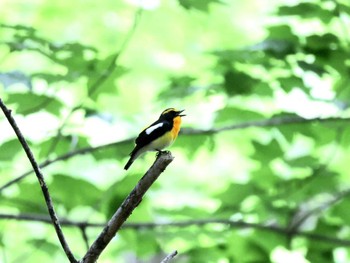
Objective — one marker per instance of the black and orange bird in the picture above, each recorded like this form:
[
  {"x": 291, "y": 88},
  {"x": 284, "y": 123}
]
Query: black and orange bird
[{"x": 159, "y": 135}]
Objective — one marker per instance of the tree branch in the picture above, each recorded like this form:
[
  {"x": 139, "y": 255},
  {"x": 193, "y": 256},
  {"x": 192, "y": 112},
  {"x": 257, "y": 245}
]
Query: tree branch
[
  {"x": 64, "y": 157},
  {"x": 273, "y": 122},
  {"x": 181, "y": 224},
  {"x": 85, "y": 236},
  {"x": 126, "y": 208},
  {"x": 41, "y": 180},
  {"x": 169, "y": 257}
]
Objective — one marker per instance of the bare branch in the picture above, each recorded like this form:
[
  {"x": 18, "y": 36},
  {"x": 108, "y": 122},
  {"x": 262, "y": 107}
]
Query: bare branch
[
  {"x": 273, "y": 122},
  {"x": 169, "y": 257},
  {"x": 64, "y": 157},
  {"x": 41, "y": 180},
  {"x": 181, "y": 224},
  {"x": 126, "y": 208},
  {"x": 84, "y": 235}
]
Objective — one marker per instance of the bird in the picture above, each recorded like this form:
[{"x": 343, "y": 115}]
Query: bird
[{"x": 157, "y": 136}]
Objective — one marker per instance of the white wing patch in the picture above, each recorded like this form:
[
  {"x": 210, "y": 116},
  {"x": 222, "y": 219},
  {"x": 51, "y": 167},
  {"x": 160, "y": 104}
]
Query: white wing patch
[{"x": 152, "y": 128}]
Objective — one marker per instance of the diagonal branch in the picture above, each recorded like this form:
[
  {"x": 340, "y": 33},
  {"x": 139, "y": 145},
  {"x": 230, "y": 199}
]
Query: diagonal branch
[
  {"x": 127, "y": 207},
  {"x": 169, "y": 257},
  {"x": 41, "y": 180},
  {"x": 273, "y": 122}
]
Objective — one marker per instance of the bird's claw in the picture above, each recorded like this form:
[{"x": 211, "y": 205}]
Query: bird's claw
[{"x": 159, "y": 152}]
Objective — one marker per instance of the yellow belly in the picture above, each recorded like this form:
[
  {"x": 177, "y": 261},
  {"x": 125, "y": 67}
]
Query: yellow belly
[{"x": 161, "y": 143}]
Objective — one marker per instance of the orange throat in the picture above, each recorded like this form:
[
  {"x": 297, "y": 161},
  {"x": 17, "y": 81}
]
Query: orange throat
[{"x": 176, "y": 127}]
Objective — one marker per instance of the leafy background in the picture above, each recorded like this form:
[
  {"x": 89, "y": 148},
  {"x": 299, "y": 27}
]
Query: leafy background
[{"x": 261, "y": 168}]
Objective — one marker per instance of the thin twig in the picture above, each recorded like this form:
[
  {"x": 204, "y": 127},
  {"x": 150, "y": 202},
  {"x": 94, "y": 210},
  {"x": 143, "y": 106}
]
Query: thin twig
[
  {"x": 85, "y": 236},
  {"x": 169, "y": 257},
  {"x": 41, "y": 180},
  {"x": 127, "y": 207},
  {"x": 64, "y": 157},
  {"x": 112, "y": 66},
  {"x": 181, "y": 224},
  {"x": 273, "y": 122},
  {"x": 103, "y": 77}
]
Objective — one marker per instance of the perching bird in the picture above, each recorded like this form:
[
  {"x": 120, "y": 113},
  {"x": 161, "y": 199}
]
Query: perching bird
[{"x": 158, "y": 135}]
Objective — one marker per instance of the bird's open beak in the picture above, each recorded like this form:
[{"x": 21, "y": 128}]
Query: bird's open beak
[{"x": 179, "y": 113}]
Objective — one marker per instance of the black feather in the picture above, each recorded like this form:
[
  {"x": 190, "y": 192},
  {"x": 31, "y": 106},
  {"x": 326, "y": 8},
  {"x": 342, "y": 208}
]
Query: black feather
[{"x": 144, "y": 139}]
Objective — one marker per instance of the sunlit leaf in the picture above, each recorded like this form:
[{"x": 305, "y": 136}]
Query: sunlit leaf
[{"x": 27, "y": 103}]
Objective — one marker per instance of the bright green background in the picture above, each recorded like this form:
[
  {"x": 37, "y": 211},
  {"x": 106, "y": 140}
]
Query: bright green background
[{"x": 90, "y": 73}]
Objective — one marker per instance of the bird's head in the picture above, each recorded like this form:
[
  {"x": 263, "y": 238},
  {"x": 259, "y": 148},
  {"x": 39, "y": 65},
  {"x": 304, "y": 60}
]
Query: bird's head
[{"x": 171, "y": 113}]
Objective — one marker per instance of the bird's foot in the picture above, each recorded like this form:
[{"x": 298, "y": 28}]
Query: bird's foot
[{"x": 159, "y": 152}]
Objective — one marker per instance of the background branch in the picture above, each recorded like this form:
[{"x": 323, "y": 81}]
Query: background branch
[
  {"x": 181, "y": 224},
  {"x": 273, "y": 122},
  {"x": 126, "y": 208},
  {"x": 41, "y": 180}
]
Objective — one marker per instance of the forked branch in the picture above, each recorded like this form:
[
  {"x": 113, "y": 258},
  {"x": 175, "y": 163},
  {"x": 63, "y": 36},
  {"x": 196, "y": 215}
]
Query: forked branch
[{"x": 41, "y": 180}]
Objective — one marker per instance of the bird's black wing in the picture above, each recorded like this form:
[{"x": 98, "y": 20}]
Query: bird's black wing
[{"x": 152, "y": 132}]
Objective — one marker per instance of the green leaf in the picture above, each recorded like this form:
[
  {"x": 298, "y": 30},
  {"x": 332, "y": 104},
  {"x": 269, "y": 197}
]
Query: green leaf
[
  {"x": 179, "y": 87},
  {"x": 340, "y": 7},
  {"x": 184, "y": 213},
  {"x": 119, "y": 150},
  {"x": 339, "y": 210},
  {"x": 231, "y": 115},
  {"x": 142, "y": 242},
  {"x": 267, "y": 152},
  {"x": 233, "y": 196},
  {"x": 325, "y": 42},
  {"x": 307, "y": 11},
  {"x": 201, "y": 5},
  {"x": 264, "y": 177},
  {"x": 262, "y": 89},
  {"x": 103, "y": 76},
  {"x": 116, "y": 193},
  {"x": 303, "y": 161},
  {"x": 291, "y": 82},
  {"x": 64, "y": 145},
  {"x": 193, "y": 143},
  {"x": 238, "y": 83},
  {"x": 317, "y": 69},
  {"x": 28, "y": 200},
  {"x": 73, "y": 192},
  {"x": 283, "y": 33},
  {"x": 206, "y": 253},
  {"x": 9, "y": 150},
  {"x": 27, "y": 103},
  {"x": 44, "y": 245},
  {"x": 243, "y": 249},
  {"x": 290, "y": 131}
]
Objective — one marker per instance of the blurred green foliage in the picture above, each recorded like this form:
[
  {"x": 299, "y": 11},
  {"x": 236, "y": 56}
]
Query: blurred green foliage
[{"x": 265, "y": 140}]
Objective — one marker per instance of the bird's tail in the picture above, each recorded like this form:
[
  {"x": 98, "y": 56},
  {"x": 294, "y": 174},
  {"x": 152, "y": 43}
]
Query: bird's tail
[
  {"x": 129, "y": 163},
  {"x": 133, "y": 156}
]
